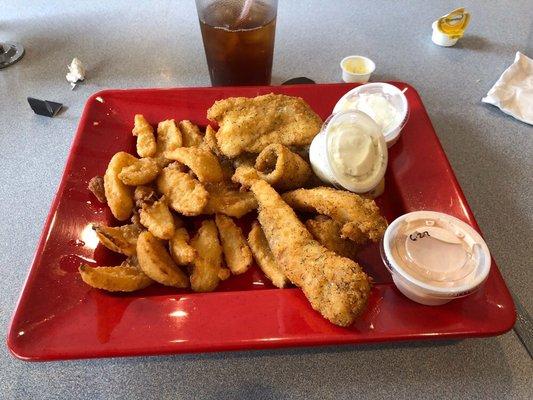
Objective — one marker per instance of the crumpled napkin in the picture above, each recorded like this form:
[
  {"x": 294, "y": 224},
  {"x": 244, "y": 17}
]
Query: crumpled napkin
[{"x": 513, "y": 92}]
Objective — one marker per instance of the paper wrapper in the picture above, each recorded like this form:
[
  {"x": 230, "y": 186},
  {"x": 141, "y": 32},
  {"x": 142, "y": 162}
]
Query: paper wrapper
[{"x": 513, "y": 92}]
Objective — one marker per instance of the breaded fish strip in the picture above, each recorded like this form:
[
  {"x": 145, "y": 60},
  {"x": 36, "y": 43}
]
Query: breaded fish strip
[
  {"x": 264, "y": 257},
  {"x": 224, "y": 199},
  {"x": 335, "y": 286},
  {"x": 328, "y": 233},
  {"x": 282, "y": 168},
  {"x": 360, "y": 217},
  {"x": 251, "y": 124}
]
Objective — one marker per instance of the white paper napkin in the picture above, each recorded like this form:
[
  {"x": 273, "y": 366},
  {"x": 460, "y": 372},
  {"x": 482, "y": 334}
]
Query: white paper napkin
[{"x": 513, "y": 92}]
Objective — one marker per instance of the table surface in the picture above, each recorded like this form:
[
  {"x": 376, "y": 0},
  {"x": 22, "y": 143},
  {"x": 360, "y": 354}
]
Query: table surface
[{"x": 158, "y": 44}]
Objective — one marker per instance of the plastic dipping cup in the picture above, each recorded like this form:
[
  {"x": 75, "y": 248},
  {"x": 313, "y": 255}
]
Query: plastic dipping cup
[
  {"x": 440, "y": 38},
  {"x": 322, "y": 160},
  {"x": 434, "y": 258},
  {"x": 357, "y": 69},
  {"x": 392, "y": 94}
]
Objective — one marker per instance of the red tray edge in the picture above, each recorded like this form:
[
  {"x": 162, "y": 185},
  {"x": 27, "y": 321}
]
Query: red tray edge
[
  {"x": 253, "y": 346},
  {"x": 18, "y": 353}
]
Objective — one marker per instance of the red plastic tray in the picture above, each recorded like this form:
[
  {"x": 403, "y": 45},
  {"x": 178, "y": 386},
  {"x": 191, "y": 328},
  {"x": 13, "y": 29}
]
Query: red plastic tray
[{"x": 59, "y": 317}]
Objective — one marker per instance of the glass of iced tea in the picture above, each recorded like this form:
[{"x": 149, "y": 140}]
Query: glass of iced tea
[{"x": 238, "y": 40}]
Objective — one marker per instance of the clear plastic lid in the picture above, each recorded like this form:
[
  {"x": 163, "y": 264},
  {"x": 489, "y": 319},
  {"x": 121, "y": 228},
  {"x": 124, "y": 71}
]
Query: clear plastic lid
[
  {"x": 438, "y": 249},
  {"x": 356, "y": 151},
  {"x": 391, "y": 97}
]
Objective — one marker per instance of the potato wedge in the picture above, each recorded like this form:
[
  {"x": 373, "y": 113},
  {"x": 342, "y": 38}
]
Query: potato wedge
[
  {"x": 190, "y": 133},
  {"x": 225, "y": 199},
  {"x": 207, "y": 270},
  {"x": 158, "y": 219},
  {"x": 146, "y": 144},
  {"x": 185, "y": 194},
  {"x": 210, "y": 140},
  {"x": 181, "y": 251},
  {"x": 168, "y": 136},
  {"x": 120, "y": 239},
  {"x": 155, "y": 261},
  {"x": 141, "y": 172},
  {"x": 328, "y": 233},
  {"x": 264, "y": 257},
  {"x": 119, "y": 196},
  {"x": 202, "y": 163},
  {"x": 123, "y": 278},
  {"x": 237, "y": 254}
]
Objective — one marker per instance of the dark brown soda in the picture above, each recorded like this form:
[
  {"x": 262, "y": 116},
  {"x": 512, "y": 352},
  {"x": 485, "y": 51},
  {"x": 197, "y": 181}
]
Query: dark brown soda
[{"x": 239, "y": 49}]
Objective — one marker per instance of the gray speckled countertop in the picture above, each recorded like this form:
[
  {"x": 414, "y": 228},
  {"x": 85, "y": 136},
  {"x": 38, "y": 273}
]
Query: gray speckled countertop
[{"x": 157, "y": 44}]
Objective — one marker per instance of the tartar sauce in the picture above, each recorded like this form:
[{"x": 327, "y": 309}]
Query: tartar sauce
[
  {"x": 377, "y": 107},
  {"x": 350, "y": 152},
  {"x": 355, "y": 154}
]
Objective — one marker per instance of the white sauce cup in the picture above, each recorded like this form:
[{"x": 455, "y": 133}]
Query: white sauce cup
[
  {"x": 320, "y": 157},
  {"x": 353, "y": 77},
  {"x": 394, "y": 95}
]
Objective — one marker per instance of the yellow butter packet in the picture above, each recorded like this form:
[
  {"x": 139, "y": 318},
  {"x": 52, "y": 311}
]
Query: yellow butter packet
[{"x": 455, "y": 23}]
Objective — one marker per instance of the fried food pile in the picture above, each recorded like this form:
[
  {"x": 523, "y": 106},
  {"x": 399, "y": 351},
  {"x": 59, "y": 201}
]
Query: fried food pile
[
  {"x": 249, "y": 125},
  {"x": 181, "y": 197}
]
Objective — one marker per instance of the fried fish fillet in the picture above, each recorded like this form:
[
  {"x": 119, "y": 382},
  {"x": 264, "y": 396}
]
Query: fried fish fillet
[
  {"x": 335, "y": 286},
  {"x": 360, "y": 217},
  {"x": 251, "y": 124},
  {"x": 225, "y": 199},
  {"x": 328, "y": 233},
  {"x": 264, "y": 257}
]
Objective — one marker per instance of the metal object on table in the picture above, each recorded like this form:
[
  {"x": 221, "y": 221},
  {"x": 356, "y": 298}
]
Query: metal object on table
[
  {"x": 10, "y": 53},
  {"x": 298, "y": 81}
]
